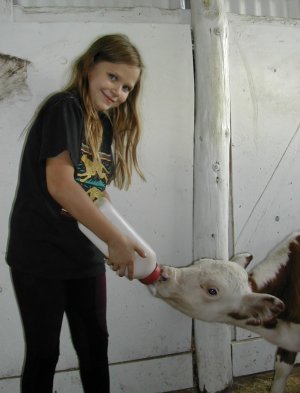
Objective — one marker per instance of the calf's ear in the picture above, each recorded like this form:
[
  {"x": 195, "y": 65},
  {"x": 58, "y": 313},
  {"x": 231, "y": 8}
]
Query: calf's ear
[
  {"x": 242, "y": 259},
  {"x": 259, "y": 309}
]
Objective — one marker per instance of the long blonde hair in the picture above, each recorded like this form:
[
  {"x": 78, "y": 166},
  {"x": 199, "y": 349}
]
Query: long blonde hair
[{"x": 114, "y": 48}]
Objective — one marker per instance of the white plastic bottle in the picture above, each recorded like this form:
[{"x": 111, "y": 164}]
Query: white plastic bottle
[{"x": 145, "y": 269}]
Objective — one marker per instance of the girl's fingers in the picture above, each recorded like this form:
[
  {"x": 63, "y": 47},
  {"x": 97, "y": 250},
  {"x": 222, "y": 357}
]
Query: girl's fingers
[
  {"x": 141, "y": 252},
  {"x": 122, "y": 271},
  {"x": 130, "y": 271}
]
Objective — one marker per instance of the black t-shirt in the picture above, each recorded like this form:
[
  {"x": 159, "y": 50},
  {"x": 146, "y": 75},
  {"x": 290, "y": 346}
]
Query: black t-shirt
[{"x": 44, "y": 239}]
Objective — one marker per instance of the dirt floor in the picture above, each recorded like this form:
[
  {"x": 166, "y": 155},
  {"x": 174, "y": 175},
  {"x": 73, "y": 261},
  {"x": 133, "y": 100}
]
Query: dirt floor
[{"x": 259, "y": 383}]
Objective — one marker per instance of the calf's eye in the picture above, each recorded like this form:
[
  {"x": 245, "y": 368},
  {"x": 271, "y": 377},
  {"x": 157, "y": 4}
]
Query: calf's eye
[{"x": 212, "y": 291}]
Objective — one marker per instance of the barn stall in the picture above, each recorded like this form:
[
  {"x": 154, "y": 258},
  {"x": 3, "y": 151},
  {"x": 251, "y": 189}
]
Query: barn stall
[{"x": 234, "y": 190}]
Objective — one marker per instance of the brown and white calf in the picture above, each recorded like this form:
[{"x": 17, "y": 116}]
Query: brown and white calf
[{"x": 265, "y": 300}]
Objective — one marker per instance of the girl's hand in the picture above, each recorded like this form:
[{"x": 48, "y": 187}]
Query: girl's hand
[{"x": 121, "y": 252}]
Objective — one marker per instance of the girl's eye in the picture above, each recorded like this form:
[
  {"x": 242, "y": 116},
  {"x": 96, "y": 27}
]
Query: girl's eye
[
  {"x": 126, "y": 89},
  {"x": 112, "y": 77}
]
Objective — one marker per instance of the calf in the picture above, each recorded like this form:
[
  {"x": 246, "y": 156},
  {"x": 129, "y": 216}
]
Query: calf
[{"x": 266, "y": 300}]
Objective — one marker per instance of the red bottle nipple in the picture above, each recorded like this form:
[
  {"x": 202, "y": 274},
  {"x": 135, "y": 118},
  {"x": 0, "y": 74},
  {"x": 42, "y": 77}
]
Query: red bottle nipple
[{"x": 154, "y": 276}]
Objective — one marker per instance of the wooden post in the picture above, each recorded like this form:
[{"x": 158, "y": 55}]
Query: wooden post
[
  {"x": 6, "y": 14},
  {"x": 211, "y": 179}
]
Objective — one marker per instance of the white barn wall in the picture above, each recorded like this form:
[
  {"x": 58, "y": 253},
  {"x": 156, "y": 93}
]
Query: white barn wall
[
  {"x": 274, "y": 8},
  {"x": 164, "y": 4},
  {"x": 265, "y": 98},
  {"x": 148, "y": 376},
  {"x": 141, "y": 327}
]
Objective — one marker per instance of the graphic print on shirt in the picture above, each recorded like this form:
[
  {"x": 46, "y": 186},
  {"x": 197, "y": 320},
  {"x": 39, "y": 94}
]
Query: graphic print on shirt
[{"x": 93, "y": 176}]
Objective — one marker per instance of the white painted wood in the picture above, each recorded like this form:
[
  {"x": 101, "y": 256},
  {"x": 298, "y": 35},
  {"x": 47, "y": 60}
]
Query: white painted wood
[
  {"x": 154, "y": 375},
  {"x": 211, "y": 179},
  {"x": 6, "y": 7},
  {"x": 167, "y": 4},
  {"x": 213, "y": 356},
  {"x": 104, "y": 15},
  {"x": 266, "y": 131},
  {"x": 243, "y": 334},
  {"x": 161, "y": 209},
  {"x": 253, "y": 356},
  {"x": 148, "y": 376},
  {"x": 273, "y": 8},
  {"x": 265, "y": 98}
]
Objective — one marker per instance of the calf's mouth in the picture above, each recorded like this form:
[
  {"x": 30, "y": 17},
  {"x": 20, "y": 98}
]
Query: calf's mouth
[{"x": 164, "y": 276}]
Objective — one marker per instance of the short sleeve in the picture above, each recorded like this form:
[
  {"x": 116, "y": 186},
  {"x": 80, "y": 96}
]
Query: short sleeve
[{"x": 62, "y": 128}]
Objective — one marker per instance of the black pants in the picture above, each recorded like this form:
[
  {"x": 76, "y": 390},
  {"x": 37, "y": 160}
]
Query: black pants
[{"x": 42, "y": 304}]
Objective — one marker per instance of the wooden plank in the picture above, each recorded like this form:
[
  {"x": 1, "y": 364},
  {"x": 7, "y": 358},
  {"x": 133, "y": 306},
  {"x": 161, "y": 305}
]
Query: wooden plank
[
  {"x": 101, "y": 14},
  {"x": 148, "y": 376},
  {"x": 243, "y": 334},
  {"x": 211, "y": 178},
  {"x": 154, "y": 375},
  {"x": 6, "y": 8},
  {"x": 253, "y": 356}
]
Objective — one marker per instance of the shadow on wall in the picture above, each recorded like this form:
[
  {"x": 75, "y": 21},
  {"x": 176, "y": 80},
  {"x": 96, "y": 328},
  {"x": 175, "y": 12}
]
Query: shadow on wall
[{"x": 13, "y": 75}]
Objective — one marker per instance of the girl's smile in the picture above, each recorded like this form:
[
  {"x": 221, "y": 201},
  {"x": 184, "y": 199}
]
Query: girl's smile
[{"x": 111, "y": 83}]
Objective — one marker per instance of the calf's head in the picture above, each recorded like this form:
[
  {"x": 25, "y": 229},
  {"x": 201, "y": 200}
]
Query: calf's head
[{"x": 217, "y": 291}]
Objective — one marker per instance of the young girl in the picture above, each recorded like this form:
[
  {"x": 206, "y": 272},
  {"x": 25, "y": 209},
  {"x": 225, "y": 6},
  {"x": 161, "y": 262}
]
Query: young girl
[{"x": 67, "y": 163}]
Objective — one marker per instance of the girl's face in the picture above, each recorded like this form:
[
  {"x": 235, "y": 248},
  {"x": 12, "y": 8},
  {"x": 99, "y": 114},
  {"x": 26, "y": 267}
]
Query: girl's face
[{"x": 111, "y": 83}]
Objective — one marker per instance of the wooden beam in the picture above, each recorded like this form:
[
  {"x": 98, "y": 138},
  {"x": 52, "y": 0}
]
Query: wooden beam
[
  {"x": 6, "y": 7},
  {"x": 211, "y": 179}
]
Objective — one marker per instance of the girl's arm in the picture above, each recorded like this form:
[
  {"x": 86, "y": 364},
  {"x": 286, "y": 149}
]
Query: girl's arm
[{"x": 69, "y": 194}]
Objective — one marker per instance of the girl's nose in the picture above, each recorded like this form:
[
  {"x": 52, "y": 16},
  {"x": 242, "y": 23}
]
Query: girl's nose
[{"x": 116, "y": 90}]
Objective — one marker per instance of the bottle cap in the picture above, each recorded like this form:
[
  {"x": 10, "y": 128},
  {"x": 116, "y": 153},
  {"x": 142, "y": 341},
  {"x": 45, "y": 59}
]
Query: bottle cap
[{"x": 154, "y": 276}]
